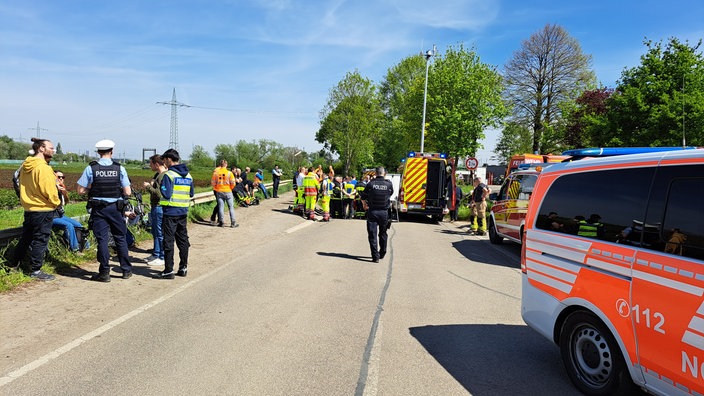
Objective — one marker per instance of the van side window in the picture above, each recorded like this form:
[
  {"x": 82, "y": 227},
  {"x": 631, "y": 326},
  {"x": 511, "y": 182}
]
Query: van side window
[
  {"x": 600, "y": 204},
  {"x": 527, "y": 184},
  {"x": 675, "y": 212},
  {"x": 504, "y": 190},
  {"x": 683, "y": 223},
  {"x": 515, "y": 188}
]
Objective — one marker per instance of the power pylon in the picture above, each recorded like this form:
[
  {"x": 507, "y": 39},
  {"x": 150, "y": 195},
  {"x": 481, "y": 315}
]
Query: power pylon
[
  {"x": 39, "y": 130},
  {"x": 173, "y": 137}
]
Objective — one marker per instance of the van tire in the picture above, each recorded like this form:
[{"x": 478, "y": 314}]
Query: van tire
[
  {"x": 494, "y": 236},
  {"x": 592, "y": 357}
]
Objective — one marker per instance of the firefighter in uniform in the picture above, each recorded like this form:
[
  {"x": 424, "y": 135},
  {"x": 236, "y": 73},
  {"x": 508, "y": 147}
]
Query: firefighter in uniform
[
  {"x": 478, "y": 207},
  {"x": 310, "y": 193},
  {"x": 348, "y": 194},
  {"x": 358, "y": 207},
  {"x": 107, "y": 183},
  {"x": 326, "y": 188},
  {"x": 176, "y": 193},
  {"x": 376, "y": 199}
]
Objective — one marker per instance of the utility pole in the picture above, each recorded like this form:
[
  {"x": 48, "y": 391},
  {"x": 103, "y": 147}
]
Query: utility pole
[
  {"x": 429, "y": 54},
  {"x": 38, "y": 129},
  {"x": 173, "y": 137}
]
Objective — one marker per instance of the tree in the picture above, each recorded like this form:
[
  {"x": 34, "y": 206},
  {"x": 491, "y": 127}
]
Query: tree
[
  {"x": 226, "y": 152},
  {"x": 515, "y": 139},
  {"x": 350, "y": 121},
  {"x": 660, "y": 101},
  {"x": 9, "y": 149},
  {"x": 401, "y": 95},
  {"x": 548, "y": 69},
  {"x": 585, "y": 119},
  {"x": 200, "y": 158},
  {"x": 464, "y": 99}
]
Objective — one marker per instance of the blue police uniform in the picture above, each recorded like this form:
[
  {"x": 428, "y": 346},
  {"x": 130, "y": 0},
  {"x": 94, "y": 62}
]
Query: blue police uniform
[
  {"x": 378, "y": 193},
  {"x": 106, "y": 180}
]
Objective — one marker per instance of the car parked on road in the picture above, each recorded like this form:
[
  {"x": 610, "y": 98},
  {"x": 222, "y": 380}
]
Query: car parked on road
[{"x": 509, "y": 206}]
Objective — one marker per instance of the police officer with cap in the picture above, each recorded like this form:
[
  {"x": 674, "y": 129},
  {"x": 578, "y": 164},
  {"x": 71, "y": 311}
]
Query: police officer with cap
[
  {"x": 376, "y": 199},
  {"x": 106, "y": 183}
]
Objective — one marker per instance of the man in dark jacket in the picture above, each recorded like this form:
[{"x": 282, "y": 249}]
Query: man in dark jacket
[
  {"x": 176, "y": 191},
  {"x": 376, "y": 199}
]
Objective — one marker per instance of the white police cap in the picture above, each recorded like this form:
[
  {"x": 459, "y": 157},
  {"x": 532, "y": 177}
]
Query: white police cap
[{"x": 106, "y": 144}]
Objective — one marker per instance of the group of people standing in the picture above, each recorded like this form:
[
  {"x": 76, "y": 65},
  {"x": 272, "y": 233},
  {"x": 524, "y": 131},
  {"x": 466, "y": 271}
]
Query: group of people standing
[
  {"x": 107, "y": 185},
  {"x": 230, "y": 185},
  {"x": 374, "y": 196},
  {"x": 335, "y": 194}
]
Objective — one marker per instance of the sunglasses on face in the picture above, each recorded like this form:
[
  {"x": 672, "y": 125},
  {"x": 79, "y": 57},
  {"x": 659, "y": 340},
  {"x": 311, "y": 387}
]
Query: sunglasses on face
[{"x": 60, "y": 177}]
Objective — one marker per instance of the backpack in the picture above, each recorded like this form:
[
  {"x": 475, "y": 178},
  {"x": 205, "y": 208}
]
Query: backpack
[{"x": 16, "y": 181}]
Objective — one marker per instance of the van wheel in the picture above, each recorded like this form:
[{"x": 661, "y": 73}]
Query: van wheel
[
  {"x": 592, "y": 357},
  {"x": 493, "y": 235}
]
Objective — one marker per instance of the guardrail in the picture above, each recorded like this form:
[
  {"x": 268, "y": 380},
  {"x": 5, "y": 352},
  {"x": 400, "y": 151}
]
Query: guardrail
[{"x": 9, "y": 234}]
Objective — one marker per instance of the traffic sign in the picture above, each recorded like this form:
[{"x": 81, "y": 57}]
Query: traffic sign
[{"x": 472, "y": 163}]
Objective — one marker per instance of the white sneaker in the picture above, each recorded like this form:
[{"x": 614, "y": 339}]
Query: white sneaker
[{"x": 156, "y": 261}]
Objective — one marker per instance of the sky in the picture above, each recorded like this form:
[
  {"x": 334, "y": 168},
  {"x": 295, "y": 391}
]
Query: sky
[{"x": 76, "y": 72}]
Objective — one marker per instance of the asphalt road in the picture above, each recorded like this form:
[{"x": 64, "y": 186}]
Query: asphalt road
[{"x": 298, "y": 308}]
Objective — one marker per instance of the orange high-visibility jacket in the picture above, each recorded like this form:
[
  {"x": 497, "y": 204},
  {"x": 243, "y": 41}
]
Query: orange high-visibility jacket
[{"x": 223, "y": 180}]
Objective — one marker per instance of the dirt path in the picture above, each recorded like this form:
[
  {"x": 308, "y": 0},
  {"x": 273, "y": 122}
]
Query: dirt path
[{"x": 40, "y": 317}]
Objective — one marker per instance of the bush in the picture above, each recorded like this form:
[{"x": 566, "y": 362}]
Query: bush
[{"x": 8, "y": 199}]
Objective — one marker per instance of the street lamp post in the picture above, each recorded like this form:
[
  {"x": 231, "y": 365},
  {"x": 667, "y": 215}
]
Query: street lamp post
[
  {"x": 428, "y": 54},
  {"x": 683, "y": 141}
]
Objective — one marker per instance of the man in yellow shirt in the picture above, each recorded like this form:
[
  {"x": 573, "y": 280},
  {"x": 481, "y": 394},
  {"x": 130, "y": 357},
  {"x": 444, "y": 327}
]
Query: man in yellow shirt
[{"x": 39, "y": 198}]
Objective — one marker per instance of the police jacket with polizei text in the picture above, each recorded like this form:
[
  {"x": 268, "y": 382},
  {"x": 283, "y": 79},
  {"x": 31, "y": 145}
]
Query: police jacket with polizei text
[
  {"x": 378, "y": 193},
  {"x": 106, "y": 181},
  {"x": 176, "y": 190}
]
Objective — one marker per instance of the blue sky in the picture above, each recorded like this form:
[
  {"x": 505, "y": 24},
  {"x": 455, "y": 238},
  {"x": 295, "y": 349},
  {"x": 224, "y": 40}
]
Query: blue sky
[{"x": 258, "y": 69}]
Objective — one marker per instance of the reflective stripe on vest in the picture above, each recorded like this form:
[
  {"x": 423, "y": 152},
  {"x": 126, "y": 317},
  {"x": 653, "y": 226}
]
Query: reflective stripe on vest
[
  {"x": 181, "y": 197},
  {"x": 587, "y": 229},
  {"x": 310, "y": 185}
]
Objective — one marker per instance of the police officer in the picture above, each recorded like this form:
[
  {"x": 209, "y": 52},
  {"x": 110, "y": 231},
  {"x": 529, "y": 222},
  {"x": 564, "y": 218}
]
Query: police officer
[
  {"x": 176, "y": 193},
  {"x": 376, "y": 199},
  {"x": 106, "y": 183}
]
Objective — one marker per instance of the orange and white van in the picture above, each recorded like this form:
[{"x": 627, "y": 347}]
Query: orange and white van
[
  {"x": 622, "y": 295},
  {"x": 509, "y": 206}
]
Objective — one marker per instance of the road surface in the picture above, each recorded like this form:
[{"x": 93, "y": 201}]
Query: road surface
[{"x": 284, "y": 306}]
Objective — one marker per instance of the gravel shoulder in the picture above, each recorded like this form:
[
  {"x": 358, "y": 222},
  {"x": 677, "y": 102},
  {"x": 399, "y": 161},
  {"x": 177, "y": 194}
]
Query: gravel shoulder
[{"x": 42, "y": 316}]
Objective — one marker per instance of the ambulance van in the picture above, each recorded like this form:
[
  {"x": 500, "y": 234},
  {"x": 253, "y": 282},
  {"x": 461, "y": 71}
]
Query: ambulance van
[{"x": 613, "y": 271}]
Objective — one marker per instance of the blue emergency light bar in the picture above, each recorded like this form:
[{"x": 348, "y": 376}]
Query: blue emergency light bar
[
  {"x": 414, "y": 154},
  {"x": 610, "y": 151}
]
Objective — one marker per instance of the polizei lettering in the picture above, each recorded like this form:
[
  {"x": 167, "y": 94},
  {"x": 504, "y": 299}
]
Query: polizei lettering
[
  {"x": 105, "y": 173},
  {"x": 383, "y": 187}
]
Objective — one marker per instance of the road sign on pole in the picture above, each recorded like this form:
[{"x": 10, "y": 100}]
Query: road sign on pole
[{"x": 471, "y": 163}]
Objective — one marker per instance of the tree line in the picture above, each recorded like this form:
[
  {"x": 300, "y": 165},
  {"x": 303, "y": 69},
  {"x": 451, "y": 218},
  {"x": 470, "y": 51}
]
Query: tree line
[{"x": 546, "y": 99}]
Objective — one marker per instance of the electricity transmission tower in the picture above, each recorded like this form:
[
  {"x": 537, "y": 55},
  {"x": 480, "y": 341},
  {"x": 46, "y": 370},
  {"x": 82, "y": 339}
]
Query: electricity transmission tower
[
  {"x": 39, "y": 130},
  {"x": 173, "y": 137}
]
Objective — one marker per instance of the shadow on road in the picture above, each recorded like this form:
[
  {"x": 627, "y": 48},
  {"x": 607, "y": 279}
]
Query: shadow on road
[
  {"x": 496, "y": 359},
  {"x": 345, "y": 256},
  {"x": 480, "y": 251}
]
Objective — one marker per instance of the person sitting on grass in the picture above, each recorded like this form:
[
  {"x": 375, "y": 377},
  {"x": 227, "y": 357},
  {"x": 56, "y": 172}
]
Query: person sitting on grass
[{"x": 65, "y": 223}]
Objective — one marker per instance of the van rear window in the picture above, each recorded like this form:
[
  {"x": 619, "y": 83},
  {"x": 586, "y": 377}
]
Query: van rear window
[{"x": 600, "y": 204}]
